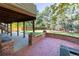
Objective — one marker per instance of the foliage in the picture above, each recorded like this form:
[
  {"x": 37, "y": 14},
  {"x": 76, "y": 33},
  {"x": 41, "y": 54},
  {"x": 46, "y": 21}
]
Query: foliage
[{"x": 61, "y": 16}]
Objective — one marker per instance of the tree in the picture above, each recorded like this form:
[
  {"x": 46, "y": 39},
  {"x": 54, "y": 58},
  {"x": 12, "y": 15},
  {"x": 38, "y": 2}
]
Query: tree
[{"x": 59, "y": 16}]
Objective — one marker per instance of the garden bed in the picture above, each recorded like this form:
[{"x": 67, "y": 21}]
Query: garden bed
[{"x": 37, "y": 37}]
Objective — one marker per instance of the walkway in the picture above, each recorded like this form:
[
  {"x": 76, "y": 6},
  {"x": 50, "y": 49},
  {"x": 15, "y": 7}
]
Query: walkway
[{"x": 45, "y": 47}]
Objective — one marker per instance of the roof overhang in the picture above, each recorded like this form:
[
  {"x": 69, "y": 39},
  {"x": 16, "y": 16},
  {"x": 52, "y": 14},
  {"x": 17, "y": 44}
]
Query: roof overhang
[{"x": 19, "y": 12}]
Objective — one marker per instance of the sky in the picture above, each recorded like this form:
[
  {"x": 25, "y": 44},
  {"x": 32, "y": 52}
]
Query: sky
[{"x": 41, "y": 6}]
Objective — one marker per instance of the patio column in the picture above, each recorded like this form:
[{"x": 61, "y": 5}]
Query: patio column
[
  {"x": 1, "y": 31},
  {"x": 7, "y": 29},
  {"x": 11, "y": 29},
  {"x": 17, "y": 28},
  {"x": 23, "y": 29},
  {"x": 26, "y": 26},
  {"x": 33, "y": 23}
]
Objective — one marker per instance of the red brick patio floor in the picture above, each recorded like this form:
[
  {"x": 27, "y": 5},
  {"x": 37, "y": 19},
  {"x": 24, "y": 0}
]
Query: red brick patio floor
[{"x": 46, "y": 47}]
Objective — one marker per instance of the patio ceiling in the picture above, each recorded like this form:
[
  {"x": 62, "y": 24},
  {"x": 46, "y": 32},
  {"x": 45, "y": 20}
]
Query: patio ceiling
[{"x": 14, "y": 13}]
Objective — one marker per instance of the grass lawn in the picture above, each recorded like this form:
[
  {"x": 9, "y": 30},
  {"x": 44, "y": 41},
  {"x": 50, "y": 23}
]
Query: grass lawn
[
  {"x": 36, "y": 33},
  {"x": 72, "y": 34},
  {"x": 40, "y": 32}
]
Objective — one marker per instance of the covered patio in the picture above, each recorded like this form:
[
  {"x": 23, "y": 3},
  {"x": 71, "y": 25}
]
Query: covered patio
[{"x": 9, "y": 14}]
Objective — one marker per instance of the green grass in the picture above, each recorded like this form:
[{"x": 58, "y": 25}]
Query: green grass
[
  {"x": 35, "y": 33},
  {"x": 39, "y": 32},
  {"x": 67, "y": 33}
]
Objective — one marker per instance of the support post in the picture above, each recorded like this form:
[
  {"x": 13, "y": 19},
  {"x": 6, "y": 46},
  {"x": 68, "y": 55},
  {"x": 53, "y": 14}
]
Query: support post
[
  {"x": 26, "y": 26},
  {"x": 23, "y": 29},
  {"x": 7, "y": 28},
  {"x": 17, "y": 29},
  {"x": 33, "y": 23},
  {"x": 1, "y": 31},
  {"x": 11, "y": 29}
]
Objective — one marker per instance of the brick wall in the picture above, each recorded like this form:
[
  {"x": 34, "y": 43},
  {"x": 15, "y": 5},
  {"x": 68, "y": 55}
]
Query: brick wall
[{"x": 35, "y": 39}]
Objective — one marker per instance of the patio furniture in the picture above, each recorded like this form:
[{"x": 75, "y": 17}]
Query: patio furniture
[
  {"x": 64, "y": 51},
  {"x": 6, "y": 47},
  {"x": 68, "y": 51}
]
